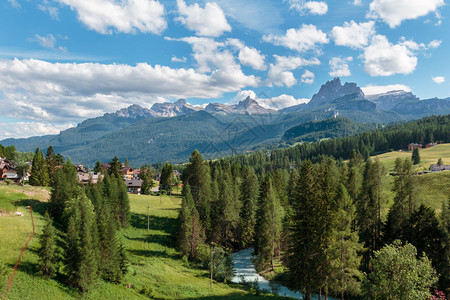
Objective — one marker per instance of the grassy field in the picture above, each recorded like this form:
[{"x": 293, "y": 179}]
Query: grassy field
[{"x": 154, "y": 262}]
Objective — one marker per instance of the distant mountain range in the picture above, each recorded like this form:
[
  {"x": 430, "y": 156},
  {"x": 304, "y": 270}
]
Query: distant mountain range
[{"x": 171, "y": 131}]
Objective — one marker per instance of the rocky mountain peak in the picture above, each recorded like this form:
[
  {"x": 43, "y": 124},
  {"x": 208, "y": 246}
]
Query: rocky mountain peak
[
  {"x": 334, "y": 89},
  {"x": 134, "y": 112}
]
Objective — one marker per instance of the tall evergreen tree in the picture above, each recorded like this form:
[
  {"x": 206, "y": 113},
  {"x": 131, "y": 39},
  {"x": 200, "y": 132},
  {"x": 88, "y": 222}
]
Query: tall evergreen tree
[
  {"x": 306, "y": 251},
  {"x": 123, "y": 203},
  {"x": 249, "y": 199},
  {"x": 47, "y": 264},
  {"x": 114, "y": 167},
  {"x": 190, "y": 234},
  {"x": 197, "y": 174},
  {"x": 415, "y": 157},
  {"x": 166, "y": 180},
  {"x": 82, "y": 253},
  {"x": 98, "y": 167},
  {"x": 146, "y": 176},
  {"x": 444, "y": 280},
  {"x": 39, "y": 173},
  {"x": 51, "y": 163},
  {"x": 343, "y": 251},
  {"x": 269, "y": 224}
]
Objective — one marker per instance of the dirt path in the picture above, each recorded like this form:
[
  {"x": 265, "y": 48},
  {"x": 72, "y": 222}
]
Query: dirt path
[{"x": 22, "y": 251}]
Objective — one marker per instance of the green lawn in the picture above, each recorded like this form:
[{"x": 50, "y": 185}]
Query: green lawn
[{"x": 154, "y": 262}]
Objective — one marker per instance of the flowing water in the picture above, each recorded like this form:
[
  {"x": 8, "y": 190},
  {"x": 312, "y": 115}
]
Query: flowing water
[{"x": 244, "y": 270}]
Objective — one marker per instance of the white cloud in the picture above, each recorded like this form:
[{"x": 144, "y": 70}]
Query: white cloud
[
  {"x": 108, "y": 16},
  {"x": 308, "y": 77},
  {"x": 51, "y": 10},
  {"x": 14, "y": 3},
  {"x": 439, "y": 79},
  {"x": 380, "y": 89},
  {"x": 352, "y": 34},
  {"x": 280, "y": 73},
  {"x": 381, "y": 58},
  {"x": 276, "y": 103},
  {"x": 312, "y": 7},
  {"x": 308, "y": 37},
  {"x": 208, "y": 21},
  {"x": 47, "y": 41},
  {"x": 393, "y": 12},
  {"x": 357, "y": 2},
  {"x": 70, "y": 92},
  {"x": 27, "y": 129},
  {"x": 178, "y": 59},
  {"x": 249, "y": 56},
  {"x": 339, "y": 66},
  {"x": 434, "y": 44}
]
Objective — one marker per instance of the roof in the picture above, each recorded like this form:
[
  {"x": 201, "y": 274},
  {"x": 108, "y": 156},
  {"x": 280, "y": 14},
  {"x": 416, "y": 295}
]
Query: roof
[{"x": 134, "y": 183}]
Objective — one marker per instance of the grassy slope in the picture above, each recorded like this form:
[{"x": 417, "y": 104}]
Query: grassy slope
[
  {"x": 153, "y": 260},
  {"x": 431, "y": 189}
]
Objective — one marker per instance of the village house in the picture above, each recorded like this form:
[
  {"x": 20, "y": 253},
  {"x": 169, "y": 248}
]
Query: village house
[
  {"x": 429, "y": 145},
  {"x": 8, "y": 170},
  {"x": 85, "y": 178},
  {"x": 126, "y": 172},
  {"x": 134, "y": 186},
  {"x": 413, "y": 146},
  {"x": 437, "y": 168}
]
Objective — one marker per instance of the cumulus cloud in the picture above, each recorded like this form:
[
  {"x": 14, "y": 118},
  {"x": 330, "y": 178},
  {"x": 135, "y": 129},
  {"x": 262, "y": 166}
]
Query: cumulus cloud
[
  {"x": 27, "y": 129},
  {"x": 434, "y": 44},
  {"x": 308, "y": 77},
  {"x": 108, "y": 16},
  {"x": 249, "y": 56},
  {"x": 69, "y": 92},
  {"x": 207, "y": 21},
  {"x": 312, "y": 7},
  {"x": 280, "y": 73},
  {"x": 381, "y": 58},
  {"x": 339, "y": 66},
  {"x": 357, "y": 2},
  {"x": 439, "y": 79},
  {"x": 354, "y": 35},
  {"x": 276, "y": 103},
  {"x": 380, "y": 89},
  {"x": 303, "y": 39},
  {"x": 394, "y": 12}
]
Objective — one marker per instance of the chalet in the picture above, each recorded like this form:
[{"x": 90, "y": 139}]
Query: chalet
[
  {"x": 437, "y": 168},
  {"x": 85, "y": 178},
  {"x": 136, "y": 173},
  {"x": 126, "y": 172},
  {"x": 413, "y": 146},
  {"x": 81, "y": 169},
  {"x": 105, "y": 166},
  {"x": 429, "y": 145},
  {"x": 8, "y": 170},
  {"x": 134, "y": 186}
]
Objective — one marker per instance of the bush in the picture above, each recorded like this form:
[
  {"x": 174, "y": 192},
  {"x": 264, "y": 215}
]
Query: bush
[{"x": 147, "y": 291}]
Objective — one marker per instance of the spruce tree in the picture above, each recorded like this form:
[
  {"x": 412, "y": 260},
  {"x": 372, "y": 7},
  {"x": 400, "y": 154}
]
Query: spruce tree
[
  {"x": 51, "y": 163},
  {"x": 123, "y": 204},
  {"x": 98, "y": 167},
  {"x": 444, "y": 279},
  {"x": 39, "y": 172},
  {"x": 190, "y": 233},
  {"x": 47, "y": 264},
  {"x": 343, "y": 251},
  {"x": 114, "y": 167},
  {"x": 166, "y": 179},
  {"x": 306, "y": 250},
  {"x": 249, "y": 199},
  {"x": 146, "y": 176},
  {"x": 269, "y": 225},
  {"x": 415, "y": 157}
]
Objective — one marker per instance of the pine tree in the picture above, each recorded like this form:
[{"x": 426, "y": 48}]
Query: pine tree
[
  {"x": 39, "y": 173},
  {"x": 114, "y": 167},
  {"x": 65, "y": 187},
  {"x": 166, "y": 179},
  {"x": 190, "y": 234},
  {"x": 306, "y": 250},
  {"x": 123, "y": 204},
  {"x": 444, "y": 280},
  {"x": 82, "y": 253},
  {"x": 249, "y": 199},
  {"x": 269, "y": 225},
  {"x": 146, "y": 176},
  {"x": 126, "y": 163},
  {"x": 197, "y": 174},
  {"x": 98, "y": 167},
  {"x": 47, "y": 256},
  {"x": 344, "y": 248},
  {"x": 51, "y": 163},
  {"x": 415, "y": 156}
]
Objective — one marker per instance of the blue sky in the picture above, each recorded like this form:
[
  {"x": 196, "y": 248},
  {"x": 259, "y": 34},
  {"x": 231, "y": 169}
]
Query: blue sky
[{"x": 63, "y": 61}]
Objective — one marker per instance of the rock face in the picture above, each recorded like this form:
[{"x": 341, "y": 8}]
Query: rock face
[
  {"x": 169, "y": 109},
  {"x": 134, "y": 112},
  {"x": 389, "y": 100},
  {"x": 333, "y": 90},
  {"x": 248, "y": 105}
]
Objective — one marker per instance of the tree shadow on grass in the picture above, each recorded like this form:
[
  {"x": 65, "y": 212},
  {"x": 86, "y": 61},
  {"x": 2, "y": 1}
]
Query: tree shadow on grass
[
  {"x": 168, "y": 225},
  {"x": 38, "y": 206}
]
